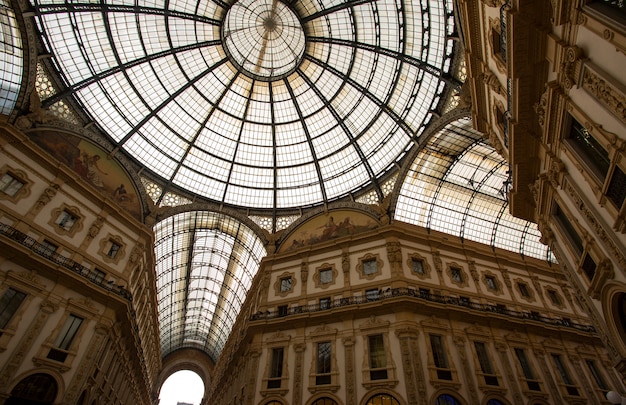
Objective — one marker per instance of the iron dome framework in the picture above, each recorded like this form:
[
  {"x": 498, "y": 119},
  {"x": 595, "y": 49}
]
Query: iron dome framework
[{"x": 256, "y": 103}]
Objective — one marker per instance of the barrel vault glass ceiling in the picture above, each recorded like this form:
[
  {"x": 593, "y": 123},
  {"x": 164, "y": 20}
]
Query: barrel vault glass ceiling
[{"x": 265, "y": 105}]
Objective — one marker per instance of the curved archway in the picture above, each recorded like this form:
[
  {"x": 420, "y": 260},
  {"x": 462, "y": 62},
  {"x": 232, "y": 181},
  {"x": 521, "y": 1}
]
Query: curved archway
[
  {"x": 36, "y": 389},
  {"x": 273, "y": 402},
  {"x": 185, "y": 359},
  {"x": 447, "y": 399},
  {"x": 613, "y": 300},
  {"x": 324, "y": 401},
  {"x": 382, "y": 399},
  {"x": 182, "y": 386}
]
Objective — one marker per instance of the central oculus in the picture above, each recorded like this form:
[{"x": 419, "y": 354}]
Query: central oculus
[{"x": 264, "y": 38}]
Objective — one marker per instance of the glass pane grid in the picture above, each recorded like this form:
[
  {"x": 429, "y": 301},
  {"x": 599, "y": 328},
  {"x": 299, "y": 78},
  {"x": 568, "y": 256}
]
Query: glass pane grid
[
  {"x": 454, "y": 187},
  {"x": 199, "y": 293}
]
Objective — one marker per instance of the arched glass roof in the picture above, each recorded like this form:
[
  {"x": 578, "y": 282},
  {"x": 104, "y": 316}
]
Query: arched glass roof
[
  {"x": 257, "y": 103},
  {"x": 205, "y": 263},
  {"x": 458, "y": 184},
  {"x": 11, "y": 64}
]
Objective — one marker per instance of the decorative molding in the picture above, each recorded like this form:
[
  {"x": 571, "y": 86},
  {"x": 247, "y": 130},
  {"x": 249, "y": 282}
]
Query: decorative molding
[
  {"x": 601, "y": 86},
  {"x": 348, "y": 344},
  {"x": 571, "y": 66},
  {"x": 361, "y": 267},
  {"x": 21, "y": 177},
  {"x": 425, "y": 266},
  {"x": 595, "y": 224},
  {"x": 493, "y": 83},
  {"x": 493, "y": 3},
  {"x": 604, "y": 272},
  {"x": 26, "y": 343},
  {"x": 317, "y": 275},
  {"x": 278, "y": 290},
  {"x": 412, "y": 366}
]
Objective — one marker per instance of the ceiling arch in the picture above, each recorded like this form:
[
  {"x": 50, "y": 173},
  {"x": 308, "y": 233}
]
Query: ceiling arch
[
  {"x": 205, "y": 263},
  {"x": 458, "y": 184}
]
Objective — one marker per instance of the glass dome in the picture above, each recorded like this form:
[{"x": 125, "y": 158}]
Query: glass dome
[{"x": 265, "y": 104}]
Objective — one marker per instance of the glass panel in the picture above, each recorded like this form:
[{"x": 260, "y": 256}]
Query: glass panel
[
  {"x": 377, "y": 351},
  {"x": 11, "y": 56},
  {"x": 439, "y": 354},
  {"x": 68, "y": 332},
  {"x": 323, "y": 358},
  {"x": 237, "y": 104},
  {"x": 10, "y": 185},
  {"x": 458, "y": 185},
  {"x": 205, "y": 263},
  {"x": 483, "y": 357},
  {"x": 9, "y": 303}
]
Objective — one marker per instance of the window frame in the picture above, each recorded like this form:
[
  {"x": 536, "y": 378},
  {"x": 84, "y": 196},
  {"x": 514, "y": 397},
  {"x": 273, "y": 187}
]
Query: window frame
[
  {"x": 5, "y": 302},
  {"x": 68, "y": 211},
  {"x": 369, "y": 258},
  {"x": 485, "y": 363},
  {"x": 441, "y": 361},
  {"x": 16, "y": 176},
  {"x": 527, "y": 371}
]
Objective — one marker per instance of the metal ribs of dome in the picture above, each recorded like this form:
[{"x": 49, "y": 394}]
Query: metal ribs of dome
[{"x": 156, "y": 78}]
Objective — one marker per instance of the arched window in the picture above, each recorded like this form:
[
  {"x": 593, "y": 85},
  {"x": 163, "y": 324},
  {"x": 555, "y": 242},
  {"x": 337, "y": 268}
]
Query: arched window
[
  {"x": 494, "y": 402},
  {"x": 273, "y": 403},
  {"x": 382, "y": 399},
  {"x": 324, "y": 401},
  {"x": 446, "y": 399},
  {"x": 36, "y": 389}
]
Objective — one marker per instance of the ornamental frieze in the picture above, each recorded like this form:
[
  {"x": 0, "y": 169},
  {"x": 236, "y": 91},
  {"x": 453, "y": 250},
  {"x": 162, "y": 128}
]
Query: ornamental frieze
[{"x": 608, "y": 94}]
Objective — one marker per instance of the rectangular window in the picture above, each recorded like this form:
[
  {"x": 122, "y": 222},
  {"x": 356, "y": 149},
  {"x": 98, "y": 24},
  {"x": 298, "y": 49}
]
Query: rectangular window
[
  {"x": 491, "y": 282},
  {"x": 283, "y": 310},
  {"x": 97, "y": 276},
  {"x": 456, "y": 274},
  {"x": 523, "y": 289},
  {"x": 113, "y": 250},
  {"x": 566, "y": 226},
  {"x": 47, "y": 248},
  {"x": 68, "y": 332},
  {"x": 326, "y": 276},
  {"x": 65, "y": 220},
  {"x": 377, "y": 357},
  {"x": 323, "y": 363},
  {"x": 554, "y": 297},
  {"x": 418, "y": 266},
  {"x": 372, "y": 294},
  {"x": 616, "y": 192},
  {"x": 440, "y": 358},
  {"x": 483, "y": 357},
  {"x": 485, "y": 363},
  {"x": 285, "y": 284},
  {"x": 9, "y": 303},
  {"x": 276, "y": 368},
  {"x": 597, "y": 376},
  {"x": 424, "y": 293},
  {"x": 370, "y": 267},
  {"x": 527, "y": 369},
  {"x": 564, "y": 374},
  {"x": 10, "y": 184},
  {"x": 589, "y": 267},
  {"x": 590, "y": 150}
]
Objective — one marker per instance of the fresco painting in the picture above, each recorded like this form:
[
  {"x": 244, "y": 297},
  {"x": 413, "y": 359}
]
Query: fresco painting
[
  {"x": 329, "y": 226},
  {"x": 92, "y": 164}
]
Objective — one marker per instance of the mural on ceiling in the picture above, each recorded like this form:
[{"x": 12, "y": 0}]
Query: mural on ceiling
[
  {"x": 331, "y": 225},
  {"x": 92, "y": 164}
]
